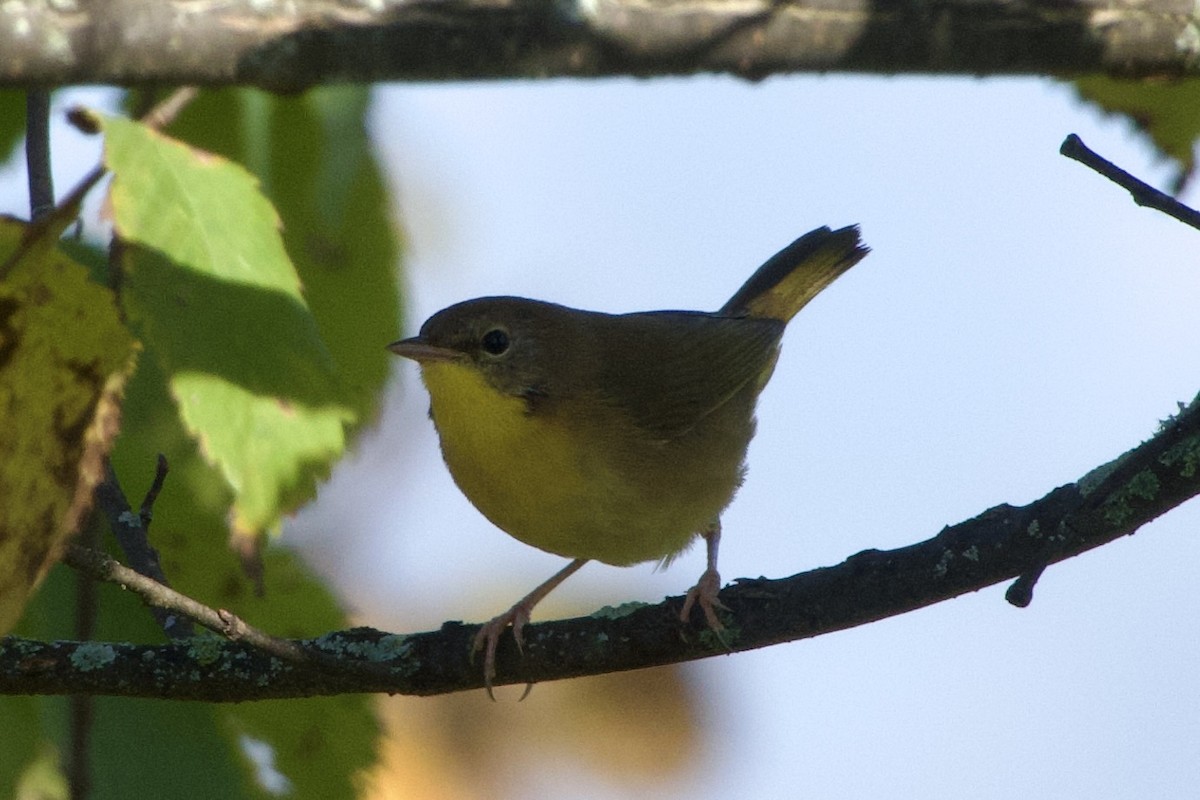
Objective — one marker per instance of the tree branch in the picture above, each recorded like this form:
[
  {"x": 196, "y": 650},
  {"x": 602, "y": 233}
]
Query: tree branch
[
  {"x": 132, "y": 533},
  {"x": 158, "y": 595},
  {"x": 1143, "y": 193},
  {"x": 1000, "y": 544},
  {"x": 288, "y": 47},
  {"x": 37, "y": 153}
]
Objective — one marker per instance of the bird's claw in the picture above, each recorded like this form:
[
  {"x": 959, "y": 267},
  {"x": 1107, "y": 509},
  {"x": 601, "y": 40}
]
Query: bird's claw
[
  {"x": 705, "y": 595},
  {"x": 488, "y": 639}
]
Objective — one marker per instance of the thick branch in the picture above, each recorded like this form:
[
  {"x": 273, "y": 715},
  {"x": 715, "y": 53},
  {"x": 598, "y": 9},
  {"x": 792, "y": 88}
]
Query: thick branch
[
  {"x": 290, "y": 46},
  {"x": 1000, "y": 544}
]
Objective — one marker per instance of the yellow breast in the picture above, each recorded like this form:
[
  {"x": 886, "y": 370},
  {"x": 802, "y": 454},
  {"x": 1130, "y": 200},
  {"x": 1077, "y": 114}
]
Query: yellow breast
[{"x": 552, "y": 482}]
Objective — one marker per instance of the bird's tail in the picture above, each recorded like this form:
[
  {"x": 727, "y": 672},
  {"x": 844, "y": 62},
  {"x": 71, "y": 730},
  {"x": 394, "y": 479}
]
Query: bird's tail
[{"x": 797, "y": 274}]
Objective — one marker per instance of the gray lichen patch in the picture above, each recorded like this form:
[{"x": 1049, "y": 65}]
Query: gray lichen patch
[
  {"x": 88, "y": 657},
  {"x": 393, "y": 647}
]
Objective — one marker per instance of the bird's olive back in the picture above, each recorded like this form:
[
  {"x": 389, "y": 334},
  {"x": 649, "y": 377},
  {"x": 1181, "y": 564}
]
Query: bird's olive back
[{"x": 663, "y": 370}]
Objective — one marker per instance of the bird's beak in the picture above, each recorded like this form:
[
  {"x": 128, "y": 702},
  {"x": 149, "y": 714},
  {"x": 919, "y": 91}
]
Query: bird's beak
[{"x": 421, "y": 351}]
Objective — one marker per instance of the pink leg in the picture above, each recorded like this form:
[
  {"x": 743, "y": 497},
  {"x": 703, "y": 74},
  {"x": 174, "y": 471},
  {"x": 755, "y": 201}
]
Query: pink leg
[
  {"x": 704, "y": 593},
  {"x": 489, "y": 635}
]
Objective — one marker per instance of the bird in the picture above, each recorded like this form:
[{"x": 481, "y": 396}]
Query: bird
[{"x": 617, "y": 438}]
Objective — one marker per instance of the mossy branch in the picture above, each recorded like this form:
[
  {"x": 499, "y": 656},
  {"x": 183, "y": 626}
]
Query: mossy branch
[{"x": 1001, "y": 544}]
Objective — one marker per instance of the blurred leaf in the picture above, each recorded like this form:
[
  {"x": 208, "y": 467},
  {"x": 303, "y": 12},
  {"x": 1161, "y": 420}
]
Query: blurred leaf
[
  {"x": 1166, "y": 111},
  {"x": 211, "y": 285},
  {"x": 635, "y": 731},
  {"x": 321, "y": 746},
  {"x": 12, "y": 121},
  {"x": 21, "y": 741},
  {"x": 64, "y": 357},
  {"x": 44, "y": 779},
  {"x": 158, "y": 748}
]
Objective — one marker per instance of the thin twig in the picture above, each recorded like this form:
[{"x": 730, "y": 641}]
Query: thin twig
[
  {"x": 1143, "y": 193},
  {"x": 155, "y": 594},
  {"x": 82, "y": 708},
  {"x": 221, "y": 621},
  {"x": 165, "y": 112},
  {"x": 132, "y": 533},
  {"x": 146, "y": 512},
  {"x": 37, "y": 152}
]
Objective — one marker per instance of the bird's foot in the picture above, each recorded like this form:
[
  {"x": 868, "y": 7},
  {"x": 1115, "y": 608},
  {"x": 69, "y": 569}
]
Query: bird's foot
[
  {"x": 488, "y": 638},
  {"x": 705, "y": 595}
]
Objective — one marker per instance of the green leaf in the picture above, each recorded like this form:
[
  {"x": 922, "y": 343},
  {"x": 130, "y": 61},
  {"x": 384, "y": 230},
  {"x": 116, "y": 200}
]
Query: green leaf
[
  {"x": 214, "y": 291},
  {"x": 157, "y": 748},
  {"x": 21, "y": 742},
  {"x": 315, "y": 161},
  {"x": 1165, "y": 111},
  {"x": 320, "y": 747}
]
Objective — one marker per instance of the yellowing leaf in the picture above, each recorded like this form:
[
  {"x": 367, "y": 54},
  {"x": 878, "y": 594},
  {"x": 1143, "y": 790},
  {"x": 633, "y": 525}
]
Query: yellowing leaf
[
  {"x": 64, "y": 358},
  {"x": 210, "y": 284}
]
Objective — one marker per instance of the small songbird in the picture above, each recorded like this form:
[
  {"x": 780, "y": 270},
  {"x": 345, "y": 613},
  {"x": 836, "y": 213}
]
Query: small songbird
[{"x": 613, "y": 437}]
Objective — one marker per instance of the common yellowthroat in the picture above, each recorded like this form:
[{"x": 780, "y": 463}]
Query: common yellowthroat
[{"x": 613, "y": 437}]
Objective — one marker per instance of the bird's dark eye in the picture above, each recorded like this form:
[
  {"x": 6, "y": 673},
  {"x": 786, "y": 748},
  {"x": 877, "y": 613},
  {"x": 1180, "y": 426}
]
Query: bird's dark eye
[{"x": 495, "y": 341}]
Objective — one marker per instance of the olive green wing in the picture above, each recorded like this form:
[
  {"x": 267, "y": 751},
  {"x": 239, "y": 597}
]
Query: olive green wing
[{"x": 667, "y": 370}]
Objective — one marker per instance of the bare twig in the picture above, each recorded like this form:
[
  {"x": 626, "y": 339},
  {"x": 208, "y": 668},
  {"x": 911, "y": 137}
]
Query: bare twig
[
  {"x": 163, "y": 114},
  {"x": 132, "y": 533},
  {"x": 146, "y": 512},
  {"x": 82, "y": 707},
  {"x": 157, "y": 595},
  {"x": 221, "y": 621},
  {"x": 37, "y": 152},
  {"x": 1143, "y": 193}
]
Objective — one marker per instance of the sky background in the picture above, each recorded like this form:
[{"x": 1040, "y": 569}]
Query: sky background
[{"x": 1019, "y": 322}]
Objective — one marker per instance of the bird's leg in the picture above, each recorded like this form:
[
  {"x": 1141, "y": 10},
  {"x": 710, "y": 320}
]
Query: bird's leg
[
  {"x": 704, "y": 593},
  {"x": 489, "y": 635}
]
